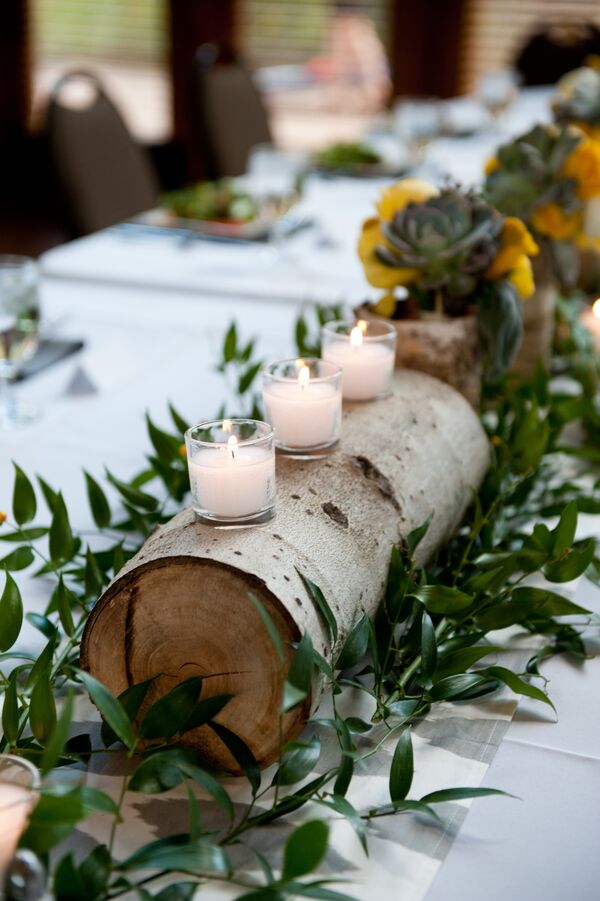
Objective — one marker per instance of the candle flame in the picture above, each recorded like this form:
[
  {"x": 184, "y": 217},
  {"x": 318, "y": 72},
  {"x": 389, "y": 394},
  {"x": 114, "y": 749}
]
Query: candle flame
[
  {"x": 362, "y": 325},
  {"x": 227, "y": 425},
  {"x": 304, "y": 376},
  {"x": 356, "y": 336},
  {"x": 596, "y": 308},
  {"x": 232, "y": 444}
]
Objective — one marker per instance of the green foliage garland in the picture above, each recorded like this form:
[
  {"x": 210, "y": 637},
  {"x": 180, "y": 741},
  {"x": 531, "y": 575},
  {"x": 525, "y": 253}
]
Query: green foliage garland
[{"x": 427, "y": 644}]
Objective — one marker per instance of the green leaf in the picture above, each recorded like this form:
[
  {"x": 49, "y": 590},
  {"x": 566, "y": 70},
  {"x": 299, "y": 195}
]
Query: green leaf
[
  {"x": 414, "y": 538},
  {"x": 548, "y": 603},
  {"x": 11, "y": 614},
  {"x": 241, "y": 754},
  {"x": 10, "y": 710},
  {"x": 346, "y": 765},
  {"x": 428, "y": 647},
  {"x": 67, "y": 883},
  {"x": 25, "y": 534},
  {"x": 304, "y": 849},
  {"x": 461, "y": 660},
  {"x": 452, "y": 687},
  {"x": 269, "y": 626},
  {"x": 98, "y": 502},
  {"x": 443, "y": 599},
  {"x": 166, "y": 446},
  {"x": 61, "y": 543},
  {"x": 402, "y": 768},
  {"x": 62, "y": 600},
  {"x": 50, "y": 495},
  {"x": 44, "y": 662},
  {"x": 111, "y": 709},
  {"x": 93, "y": 577},
  {"x": 230, "y": 343},
  {"x": 180, "y": 891},
  {"x": 132, "y": 495},
  {"x": 355, "y": 645},
  {"x": 564, "y": 533},
  {"x": 299, "y": 760},
  {"x": 195, "y": 857},
  {"x": 460, "y": 794},
  {"x": 42, "y": 709},
  {"x": 95, "y": 871},
  {"x": 24, "y": 503},
  {"x": 573, "y": 565},
  {"x": 20, "y": 558},
  {"x": 248, "y": 376},
  {"x": 167, "y": 769},
  {"x": 170, "y": 713},
  {"x": 299, "y": 677},
  {"x": 516, "y": 684},
  {"x": 344, "y": 807},
  {"x": 206, "y": 710},
  {"x": 59, "y": 736},
  {"x": 322, "y": 606},
  {"x": 178, "y": 421}
]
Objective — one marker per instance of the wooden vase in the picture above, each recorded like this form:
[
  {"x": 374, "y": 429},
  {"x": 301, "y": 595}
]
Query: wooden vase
[
  {"x": 538, "y": 320},
  {"x": 444, "y": 347}
]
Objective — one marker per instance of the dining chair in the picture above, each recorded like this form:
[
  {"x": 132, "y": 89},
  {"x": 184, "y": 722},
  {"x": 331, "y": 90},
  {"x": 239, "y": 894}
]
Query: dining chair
[
  {"x": 231, "y": 115},
  {"x": 103, "y": 174}
]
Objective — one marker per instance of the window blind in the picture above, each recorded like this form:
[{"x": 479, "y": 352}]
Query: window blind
[
  {"x": 280, "y": 32},
  {"x": 131, "y": 30},
  {"x": 495, "y": 30}
]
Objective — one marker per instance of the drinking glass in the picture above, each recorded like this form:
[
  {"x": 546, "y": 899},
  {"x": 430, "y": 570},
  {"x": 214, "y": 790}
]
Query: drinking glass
[
  {"x": 274, "y": 178},
  {"x": 19, "y": 783},
  {"x": 19, "y": 326},
  {"x": 417, "y": 121},
  {"x": 496, "y": 91}
]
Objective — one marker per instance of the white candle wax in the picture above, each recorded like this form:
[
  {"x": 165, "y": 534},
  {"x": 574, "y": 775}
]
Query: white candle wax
[
  {"x": 15, "y": 805},
  {"x": 232, "y": 484},
  {"x": 303, "y": 416},
  {"x": 366, "y": 368}
]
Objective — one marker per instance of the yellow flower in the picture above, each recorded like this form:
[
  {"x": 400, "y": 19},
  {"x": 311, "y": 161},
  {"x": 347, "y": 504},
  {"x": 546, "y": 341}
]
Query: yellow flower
[
  {"x": 386, "y": 305},
  {"x": 584, "y": 166},
  {"x": 549, "y": 219},
  {"x": 491, "y": 165},
  {"x": 378, "y": 274},
  {"x": 522, "y": 277},
  {"x": 182, "y": 452},
  {"x": 592, "y": 131},
  {"x": 403, "y": 192},
  {"x": 3, "y": 517},
  {"x": 515, "y": 242}
]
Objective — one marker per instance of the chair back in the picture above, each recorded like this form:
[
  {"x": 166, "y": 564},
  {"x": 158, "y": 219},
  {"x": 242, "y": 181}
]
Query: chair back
[
  {"x": 232, "y": 118},
  {"x": 104, "y": 175}
]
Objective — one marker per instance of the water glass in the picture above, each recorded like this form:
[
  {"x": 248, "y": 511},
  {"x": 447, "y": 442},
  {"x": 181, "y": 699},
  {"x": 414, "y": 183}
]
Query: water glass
[{"x": 19, "y": 328}]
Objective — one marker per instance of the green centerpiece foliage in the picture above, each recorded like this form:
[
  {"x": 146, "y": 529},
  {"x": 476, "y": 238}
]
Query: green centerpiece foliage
[{"x": 427, "y": 645}]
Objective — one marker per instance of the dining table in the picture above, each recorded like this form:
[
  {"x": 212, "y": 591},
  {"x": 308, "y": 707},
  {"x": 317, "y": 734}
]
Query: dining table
[{"x": 152, "y": 308}]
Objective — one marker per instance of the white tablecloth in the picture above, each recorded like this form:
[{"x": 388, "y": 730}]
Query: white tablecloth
[{"x": 153, "y": 314}]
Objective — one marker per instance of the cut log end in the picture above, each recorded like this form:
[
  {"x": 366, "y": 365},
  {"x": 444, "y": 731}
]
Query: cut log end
[{"x": 197, "y": 619}]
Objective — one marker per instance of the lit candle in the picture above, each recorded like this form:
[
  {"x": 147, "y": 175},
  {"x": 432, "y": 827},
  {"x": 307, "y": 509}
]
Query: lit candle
[
  {"x": 591, "y": 319},
  {"x": 303, "y": 403},
  {"x": 366, "y": 354},
  {"x": 232, "y": 471},
  {"x": 18, "y": 784}
]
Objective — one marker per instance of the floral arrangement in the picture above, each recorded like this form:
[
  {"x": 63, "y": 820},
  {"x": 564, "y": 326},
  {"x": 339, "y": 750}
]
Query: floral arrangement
[
  {"x": 455, "y": 255},
  {"x": 550, "y": 178},
  {"x": 577, "y": 100}
]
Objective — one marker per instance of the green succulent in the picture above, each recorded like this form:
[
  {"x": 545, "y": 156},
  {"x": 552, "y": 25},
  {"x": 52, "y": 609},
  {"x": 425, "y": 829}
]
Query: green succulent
[
  {"x": 529, "y": 172},
  {"x": 578, "y": 97},
  {"x": 451, "y": 239}
]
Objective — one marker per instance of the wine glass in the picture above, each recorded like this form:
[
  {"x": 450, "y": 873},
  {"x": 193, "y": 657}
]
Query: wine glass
[
  {"x": 417, "y": 121},
  {"x": 496, "y": 91},
  {"x": 19, "y": 326},
  {"x": 274, "y": 178}
]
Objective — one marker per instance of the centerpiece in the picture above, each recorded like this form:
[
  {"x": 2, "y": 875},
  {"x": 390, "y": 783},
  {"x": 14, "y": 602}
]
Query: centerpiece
[
  {"x": 454, "y": 271},
  {"x": 577, "y": 100},
  {"x": 550, "y": 179}
]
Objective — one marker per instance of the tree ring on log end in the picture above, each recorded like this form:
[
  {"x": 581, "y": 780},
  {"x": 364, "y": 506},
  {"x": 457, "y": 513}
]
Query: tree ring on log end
[{"x": 158, "y": 621}]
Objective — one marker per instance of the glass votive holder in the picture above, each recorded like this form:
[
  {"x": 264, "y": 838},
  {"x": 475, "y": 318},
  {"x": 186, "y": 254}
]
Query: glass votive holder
[
  {"x": 303, "y": 403},
  {"x": 19, "y": 784},
  {"x": 366, "y": 352},
  {"x": 231, "y": 464}
]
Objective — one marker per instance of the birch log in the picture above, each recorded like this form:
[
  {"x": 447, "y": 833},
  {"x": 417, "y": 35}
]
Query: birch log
[{"x": 180, "y": 607}]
